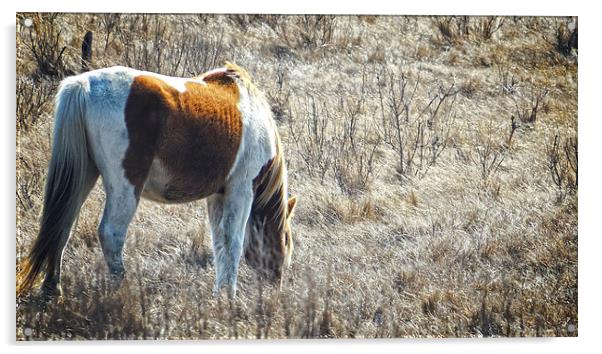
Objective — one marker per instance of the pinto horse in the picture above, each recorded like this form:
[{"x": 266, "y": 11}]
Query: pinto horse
[{"x": 170, "y": 140}]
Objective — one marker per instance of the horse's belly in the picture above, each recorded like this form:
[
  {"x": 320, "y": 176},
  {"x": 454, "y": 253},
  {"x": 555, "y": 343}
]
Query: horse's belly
[{"x": 162, "y": 186}]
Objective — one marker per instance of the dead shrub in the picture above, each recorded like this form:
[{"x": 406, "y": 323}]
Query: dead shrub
[
  {"x": 34, "y": 99},
  {"x": 508, "y": 82},
  {"x": 246, "y": 21},
  {"x": 488, "y": 154},
  {"x": 45, "y": 45},
  {"x": 152, "y": 43},
  {"x": 307, "y": 32},
  {"x": 316, "y": 31},
  {"x": 418, "y": 130},
  {"x": 455, "y": 30},
  {"x": 355, "y": 156},
  {"x": 486, "y": 27},
  {"x": 312, "y": 134},
  {"x": 562, "y": 153},
  {"x": 348, "y": 150},
  {"x": 280, "y": 98},
  {"x": 513, "y": 127},
  {"x": 110, "y": 23},
  {"x": 528, "y": 102}
]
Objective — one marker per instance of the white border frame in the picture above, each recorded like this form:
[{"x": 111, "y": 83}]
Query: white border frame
[{"x": 589, "y": 131}]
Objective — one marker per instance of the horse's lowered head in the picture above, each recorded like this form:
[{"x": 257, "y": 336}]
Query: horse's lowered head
[{"x": 269, "y": 237}]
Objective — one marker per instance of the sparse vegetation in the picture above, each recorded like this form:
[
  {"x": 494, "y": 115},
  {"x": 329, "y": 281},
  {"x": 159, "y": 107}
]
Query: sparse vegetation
[
  {"x": 418, "y": 131},
  {"x": 528, "y": 104},
  {"x": 435, "y": 160},
  {"x": 457, "y": 29},
  {"x": 34, "y": 100},
  {"x": 563, "y": 164},
  {"x": 45, "y": 45}
]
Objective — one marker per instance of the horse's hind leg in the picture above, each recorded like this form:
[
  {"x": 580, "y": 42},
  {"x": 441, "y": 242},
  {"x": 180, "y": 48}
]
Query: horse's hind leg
[
  {"x": 120, "y": 208},
  {"x": 51, "y": 285},
  {"x": 228, "y": 215}
]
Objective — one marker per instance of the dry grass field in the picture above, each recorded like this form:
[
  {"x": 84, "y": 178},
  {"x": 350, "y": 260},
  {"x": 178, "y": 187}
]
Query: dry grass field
[{"x": 435, "y": 161}]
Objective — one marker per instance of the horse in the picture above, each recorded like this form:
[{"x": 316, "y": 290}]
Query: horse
[{"x": 169, "y": 140}]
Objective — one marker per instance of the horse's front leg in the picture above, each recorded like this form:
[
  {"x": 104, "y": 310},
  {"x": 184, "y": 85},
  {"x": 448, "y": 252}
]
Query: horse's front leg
[{"x": 228, "y": 215}]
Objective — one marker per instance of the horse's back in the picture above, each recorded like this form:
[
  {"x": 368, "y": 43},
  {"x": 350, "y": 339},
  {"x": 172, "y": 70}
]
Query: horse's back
[{"x": 176, "y": 139}]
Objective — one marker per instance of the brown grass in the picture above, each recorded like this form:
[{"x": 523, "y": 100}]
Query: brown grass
[{"x": 447, "y": 209}]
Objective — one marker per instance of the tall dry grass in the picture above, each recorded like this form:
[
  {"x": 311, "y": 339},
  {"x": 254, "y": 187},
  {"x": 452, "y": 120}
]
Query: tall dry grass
[{"x": 435, "y": 160}]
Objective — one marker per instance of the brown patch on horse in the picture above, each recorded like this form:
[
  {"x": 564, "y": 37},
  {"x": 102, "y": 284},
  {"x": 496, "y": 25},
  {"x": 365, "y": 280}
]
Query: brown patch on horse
[
  {"x": 194, "y": 134},
  {"x": 145, "y": 115}
]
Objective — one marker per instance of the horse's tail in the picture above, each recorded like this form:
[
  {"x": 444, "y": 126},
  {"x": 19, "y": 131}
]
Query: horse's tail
[{"x": 64, "y": 185}]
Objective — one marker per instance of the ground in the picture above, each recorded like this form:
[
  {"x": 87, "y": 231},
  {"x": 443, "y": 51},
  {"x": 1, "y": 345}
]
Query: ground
[{"x": 434, "y": 158}]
